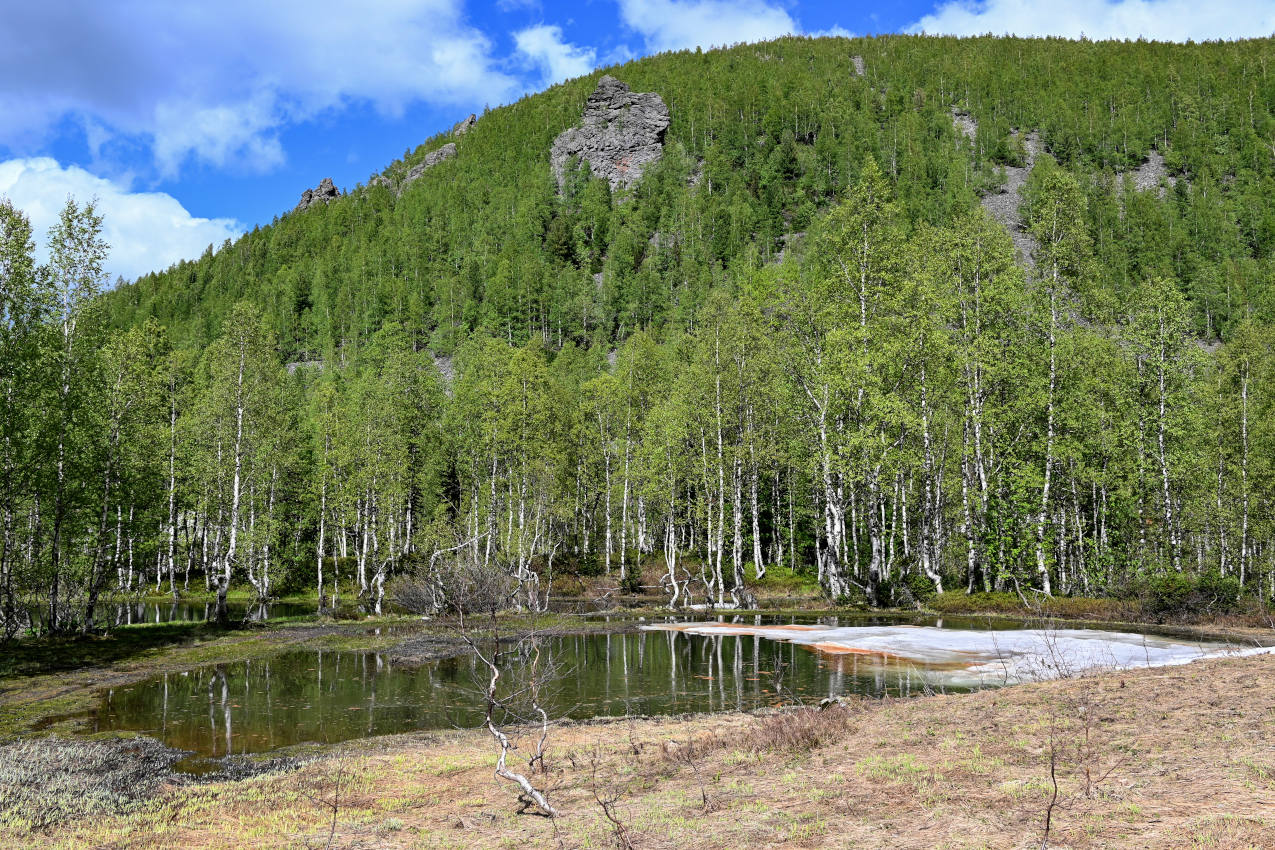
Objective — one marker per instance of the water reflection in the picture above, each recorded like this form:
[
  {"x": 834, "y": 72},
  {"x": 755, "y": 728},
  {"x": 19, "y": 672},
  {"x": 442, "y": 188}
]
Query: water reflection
[
  {"x": 315, "y": 696},
  {"x": 114, "y": 614}
]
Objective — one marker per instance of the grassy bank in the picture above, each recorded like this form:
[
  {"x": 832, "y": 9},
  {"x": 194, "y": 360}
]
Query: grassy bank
[{"x": 1159, "y": 758}]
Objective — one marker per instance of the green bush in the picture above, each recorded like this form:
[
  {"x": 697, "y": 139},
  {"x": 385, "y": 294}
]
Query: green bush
[
  {"x": 785, "y": 579},
  {"x": 920, "y": 586},
  {"x": 1220, "y": 592},
  {"x": 588, "y": 566},
  {"x": 853, "y": 598},
  {"x": 1174, "y": 594},
  {"x": 959, "y": 602}
]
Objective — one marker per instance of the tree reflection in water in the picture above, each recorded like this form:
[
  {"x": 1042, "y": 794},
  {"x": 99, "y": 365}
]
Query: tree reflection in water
[{"x": 326, "y": 696}]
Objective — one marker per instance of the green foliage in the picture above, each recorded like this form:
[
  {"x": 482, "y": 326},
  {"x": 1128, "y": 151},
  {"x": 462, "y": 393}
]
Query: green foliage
[
  {"x": 797, "y": 340},
  {"x": 631, "y": 584},
  {"x": 774, "y": 133},
  {"x": 1175, "y": 594}
]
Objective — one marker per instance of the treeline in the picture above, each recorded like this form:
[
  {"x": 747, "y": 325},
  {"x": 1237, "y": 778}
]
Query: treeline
[{"x": 896, "y": 407}]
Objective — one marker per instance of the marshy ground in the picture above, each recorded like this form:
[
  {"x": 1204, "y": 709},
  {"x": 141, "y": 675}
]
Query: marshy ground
[{"x": 1164, "y": 758}]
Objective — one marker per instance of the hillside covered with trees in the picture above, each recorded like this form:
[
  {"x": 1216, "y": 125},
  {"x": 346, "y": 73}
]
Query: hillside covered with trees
[{"x": 799, "y": 341}]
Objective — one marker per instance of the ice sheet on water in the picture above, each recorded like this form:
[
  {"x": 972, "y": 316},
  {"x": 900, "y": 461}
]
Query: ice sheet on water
[{"x": 965, "y": 658}]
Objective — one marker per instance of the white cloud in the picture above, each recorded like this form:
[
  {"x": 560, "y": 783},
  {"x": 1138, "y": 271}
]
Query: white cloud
[
  {"x": 1160, "y": 20},
  {"x": 680, "y": 24},
  {"x": 217, "y": 81},
  {"x": 557, "y": 60},
  {"x": 834, "y": 31},
  {"x": 147, "y": 231}
]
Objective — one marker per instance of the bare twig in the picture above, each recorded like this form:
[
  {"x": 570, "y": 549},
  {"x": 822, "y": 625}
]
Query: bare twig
[
  {"x": 1053, "y": 799},
  {"x": 607, "y": 800},
  {"x": 334, "y": 803}
]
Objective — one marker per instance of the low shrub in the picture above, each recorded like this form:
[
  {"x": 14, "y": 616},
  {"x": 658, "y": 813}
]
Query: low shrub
[
  {"x": 785, "y": 580},
  {"x": 631, "y": 584},
  {"x": 907, "y": 590},
  {"x": 957, "y": 602},
  {"x": 1011, "y": 605},
  {"x": 586, "y": 566},
  {"x": 1182, "y": 595},
  {"x": 799, "y": 730}
]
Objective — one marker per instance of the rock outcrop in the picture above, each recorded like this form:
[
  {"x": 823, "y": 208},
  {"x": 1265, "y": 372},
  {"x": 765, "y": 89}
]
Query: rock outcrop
[
  {"x": 431, "y": 159},
  {"x": 857, "y": 61},
  {"x": 621, "y": 135},
  {"x": 463, "y": 127},
  {"x": 324, "y": 193}
]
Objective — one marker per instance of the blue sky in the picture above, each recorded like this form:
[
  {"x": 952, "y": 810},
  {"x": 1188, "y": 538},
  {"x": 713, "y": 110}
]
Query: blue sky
[{"x": 192, "y": 121}]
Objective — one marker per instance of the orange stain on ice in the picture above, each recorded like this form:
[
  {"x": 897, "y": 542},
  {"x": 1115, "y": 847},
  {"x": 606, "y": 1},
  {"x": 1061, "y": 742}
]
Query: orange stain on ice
[{"x": 839, "y": 649}]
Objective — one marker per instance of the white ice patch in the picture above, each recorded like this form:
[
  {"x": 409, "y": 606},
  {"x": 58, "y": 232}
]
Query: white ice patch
[{"x": 959, "y": 658}]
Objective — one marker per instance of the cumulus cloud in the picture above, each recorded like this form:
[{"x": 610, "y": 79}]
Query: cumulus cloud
[
  {"x": 557, "y": 60},
  {"x": 680, "y": 24},
  {"x": 1159, "y": 20},
  {"x": 218, "y": 81},
  {"x": 147, "y": 231}
]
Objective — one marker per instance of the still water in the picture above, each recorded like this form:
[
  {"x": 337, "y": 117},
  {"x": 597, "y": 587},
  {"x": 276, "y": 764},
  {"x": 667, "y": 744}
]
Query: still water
[
  {"x": 324, "y": 697},
  {"x": 114, "y": 614}
]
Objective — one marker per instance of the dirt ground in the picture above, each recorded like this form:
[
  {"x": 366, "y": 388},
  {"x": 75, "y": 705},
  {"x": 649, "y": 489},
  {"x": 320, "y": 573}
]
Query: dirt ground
[{"x": 1178, "y": 757}]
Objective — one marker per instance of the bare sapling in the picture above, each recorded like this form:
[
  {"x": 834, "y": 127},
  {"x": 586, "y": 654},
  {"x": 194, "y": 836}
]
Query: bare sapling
[
  {"x": 688, "y": 755},
  {"x": 471, "y": 587},
  {"x": 608, "y": 797},
  {"x": 1089, "y": 749},
  {"x": 1053, "y": 797},
  {"x": 331, "y": 802}
]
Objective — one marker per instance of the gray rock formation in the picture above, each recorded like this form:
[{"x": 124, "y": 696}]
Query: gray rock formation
[
  {"x": 324, "y": 193},
  {"x": 431, "y": 159},
  {"x": 446, "y": 370},
  {"x": 303, "y": 364},
  {"x": 621, "y": 135},
  {"x": 858, "y": 65},
  {"x": 463, "y": 127}
]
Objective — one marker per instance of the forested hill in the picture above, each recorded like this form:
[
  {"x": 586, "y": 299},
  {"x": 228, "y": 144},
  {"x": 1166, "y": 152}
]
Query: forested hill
[
  {"x": 902, "y": 315},
  {"x": 763, "y": 138}
]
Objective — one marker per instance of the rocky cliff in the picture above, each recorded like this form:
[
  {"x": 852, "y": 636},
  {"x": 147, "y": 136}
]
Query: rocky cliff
[
  {"x": 620, "y": 136},
  {"x": 324, "y": 193},
  {"x": 431, "y": 159}
]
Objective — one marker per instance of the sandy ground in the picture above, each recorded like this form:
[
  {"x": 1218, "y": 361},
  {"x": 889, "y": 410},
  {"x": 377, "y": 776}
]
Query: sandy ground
[{"x": 1159, "y": 758}]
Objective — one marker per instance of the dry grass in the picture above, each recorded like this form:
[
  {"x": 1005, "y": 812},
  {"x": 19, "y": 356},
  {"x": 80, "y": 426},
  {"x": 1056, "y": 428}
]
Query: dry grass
[
  {"x": 1177, "y": 758},
  {"x": 799, "y": 730}
]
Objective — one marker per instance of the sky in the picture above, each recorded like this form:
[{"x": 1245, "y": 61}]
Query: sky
[{"x": 190, "y": 122}]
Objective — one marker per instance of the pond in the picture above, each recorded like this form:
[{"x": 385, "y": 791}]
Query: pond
[{"x": 664, "y": 668}]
